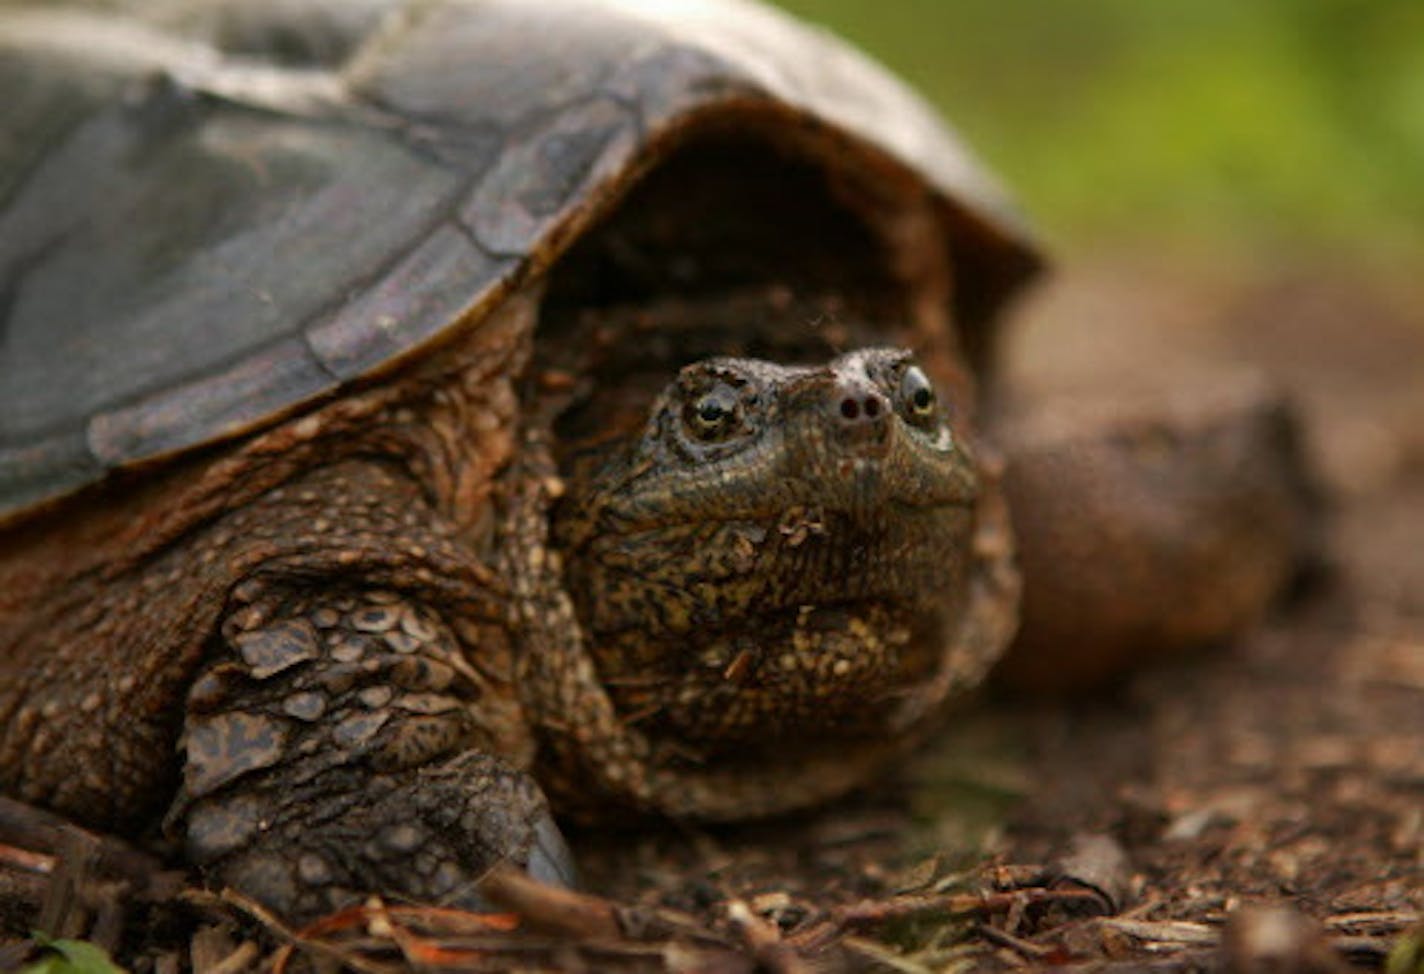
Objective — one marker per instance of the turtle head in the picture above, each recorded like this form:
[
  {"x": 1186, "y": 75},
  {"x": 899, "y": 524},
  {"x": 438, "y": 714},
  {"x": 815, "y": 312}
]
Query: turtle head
[{"x": 778, "y": 550}]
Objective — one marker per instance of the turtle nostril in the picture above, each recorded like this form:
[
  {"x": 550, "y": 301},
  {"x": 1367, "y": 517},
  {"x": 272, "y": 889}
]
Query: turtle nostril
[
  {"x": 861, "y": 407},
  {"x": 855, "y": 405}
]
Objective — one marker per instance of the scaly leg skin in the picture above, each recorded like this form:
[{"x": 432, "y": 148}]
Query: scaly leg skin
[
  {"x": 1148, "y": 528},
  {"x": 332, "y": 754}
]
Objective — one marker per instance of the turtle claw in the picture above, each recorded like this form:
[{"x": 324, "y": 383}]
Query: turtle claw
[
  {"x": 426, "y": 835},
  {"x": 550, "y": 860}
]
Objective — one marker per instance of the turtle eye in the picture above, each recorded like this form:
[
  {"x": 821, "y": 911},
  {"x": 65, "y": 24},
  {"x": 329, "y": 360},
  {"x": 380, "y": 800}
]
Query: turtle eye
[
  {"x": 917, "y": 396},
  {"x": 713, "y": 416}
]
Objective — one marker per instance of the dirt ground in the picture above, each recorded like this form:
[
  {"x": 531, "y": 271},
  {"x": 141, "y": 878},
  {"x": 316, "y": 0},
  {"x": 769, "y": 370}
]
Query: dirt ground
[
  {"x": 1125, "y": 830},
  {"x": 1289, "y": 767}
]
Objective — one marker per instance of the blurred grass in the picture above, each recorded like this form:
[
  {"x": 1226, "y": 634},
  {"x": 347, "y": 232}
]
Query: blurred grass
[{"x": 1273, "y": 124}]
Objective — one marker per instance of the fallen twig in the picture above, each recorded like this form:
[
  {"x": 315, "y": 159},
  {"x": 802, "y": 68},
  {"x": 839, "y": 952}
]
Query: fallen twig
[
  {"x": 26, "y": 860},
  {"x": 1026, "y": 948},
  {"x": 552, "y": 908},
  {"x": 33, "y": 834},
  {"x": 1385, "y": 920},
  {"x": 764, "y": 940},
  {"x": 289, "y": 938},
  {"x": 876, "y": 912},
  {"x": 1165, "y": 931}
]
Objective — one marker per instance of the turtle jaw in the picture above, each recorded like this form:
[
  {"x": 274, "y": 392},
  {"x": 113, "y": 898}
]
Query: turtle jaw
[
  {"x": 811, "y": 623},
  {"x": 805, "y": 624}
]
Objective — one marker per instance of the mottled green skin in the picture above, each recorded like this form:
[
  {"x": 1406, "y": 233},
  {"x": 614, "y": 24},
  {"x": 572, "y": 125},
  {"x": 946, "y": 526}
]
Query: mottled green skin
[{"x": 782, "y": 574}]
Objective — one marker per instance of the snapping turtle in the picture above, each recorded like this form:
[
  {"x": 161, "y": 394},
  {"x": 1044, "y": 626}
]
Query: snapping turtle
[{"x": 413, "y": 410}]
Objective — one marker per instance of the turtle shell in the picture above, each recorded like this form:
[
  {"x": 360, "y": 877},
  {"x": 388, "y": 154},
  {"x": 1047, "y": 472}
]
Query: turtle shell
[{"x": 211, "y": 215}]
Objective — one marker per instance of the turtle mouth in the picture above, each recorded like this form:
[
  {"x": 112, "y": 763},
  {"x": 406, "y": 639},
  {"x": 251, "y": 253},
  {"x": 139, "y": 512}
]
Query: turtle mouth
[
  {"x": 867, "y": 491},
  {"x": 666, "y": 581}
]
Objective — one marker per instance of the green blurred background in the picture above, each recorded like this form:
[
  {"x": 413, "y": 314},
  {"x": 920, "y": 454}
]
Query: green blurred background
[{"x": 1242, "y": 126}]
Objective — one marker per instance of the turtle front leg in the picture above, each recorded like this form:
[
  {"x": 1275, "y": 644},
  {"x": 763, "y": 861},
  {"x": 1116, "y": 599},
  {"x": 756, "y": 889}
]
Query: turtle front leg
[{"x": 333, "y": 751}]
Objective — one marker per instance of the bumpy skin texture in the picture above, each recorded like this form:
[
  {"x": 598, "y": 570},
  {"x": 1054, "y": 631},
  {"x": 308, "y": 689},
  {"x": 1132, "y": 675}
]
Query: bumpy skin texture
[
  {"x": 314, "y": 623},
  {"x": 709, "y": 604},
  {"x": 396, "y": 623},
  {"x": 776, "y": 558},
  {"x": 336, "y": 744}
]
